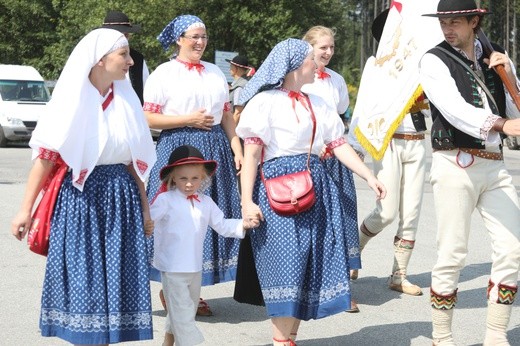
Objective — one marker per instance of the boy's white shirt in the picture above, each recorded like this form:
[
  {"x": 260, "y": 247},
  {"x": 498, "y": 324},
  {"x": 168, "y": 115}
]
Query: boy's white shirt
[{"x": 180, "y": 230}]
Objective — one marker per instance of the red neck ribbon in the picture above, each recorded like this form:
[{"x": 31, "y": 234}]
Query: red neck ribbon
[
  {"x": 109, "y": 98},
  {"x": 323, "y": 75},
  {"x": 190, "y": 66},
  {"x": 193, "y": 197}
]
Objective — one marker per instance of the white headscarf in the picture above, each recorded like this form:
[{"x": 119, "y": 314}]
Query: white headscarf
[{"x": 74, "y": 124}]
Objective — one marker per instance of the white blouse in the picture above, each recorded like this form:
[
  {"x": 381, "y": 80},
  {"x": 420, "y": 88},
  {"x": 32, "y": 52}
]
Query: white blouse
[
  {"x": 180, "y": 91},
  {"x": 180, "y": 229},
  {"x": 332, "y": 89},
  {"x": 285, "y": 131},
  {"x": 117, "y": 149}
]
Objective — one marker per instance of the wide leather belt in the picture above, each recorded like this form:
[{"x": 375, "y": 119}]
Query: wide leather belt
[
  {"x": 409, "y": 136},
  {"x": 484, "y": 154}
]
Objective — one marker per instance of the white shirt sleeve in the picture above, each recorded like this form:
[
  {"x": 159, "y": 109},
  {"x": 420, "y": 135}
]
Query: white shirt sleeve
[
  {"x": 159, "y": 207},
  {"x": 442, "y": 91},
  {"x": 146, "y": 72},
  {"x": 225, "y": 227}
]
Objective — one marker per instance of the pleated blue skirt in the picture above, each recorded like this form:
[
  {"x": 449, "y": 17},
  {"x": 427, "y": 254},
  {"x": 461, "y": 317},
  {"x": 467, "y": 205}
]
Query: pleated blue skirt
[
  {"x": 96, "y": 288},
  {"x": 302, "y": 260},
  {"x": 343, "y": 178},
  {"x": 220, "y": 255}
]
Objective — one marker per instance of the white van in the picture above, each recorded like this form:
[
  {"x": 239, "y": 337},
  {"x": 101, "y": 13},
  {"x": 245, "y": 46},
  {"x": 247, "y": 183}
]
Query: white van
[{"x": 23, "y": 98}]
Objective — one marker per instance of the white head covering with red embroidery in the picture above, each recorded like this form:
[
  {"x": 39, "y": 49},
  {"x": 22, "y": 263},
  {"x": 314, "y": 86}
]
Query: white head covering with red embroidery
[{"x": 74, "y": 124}]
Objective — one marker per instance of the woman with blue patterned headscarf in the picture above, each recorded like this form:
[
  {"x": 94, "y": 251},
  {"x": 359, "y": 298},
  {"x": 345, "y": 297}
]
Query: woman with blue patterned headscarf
[
  {"x": 188, "y": 99},
  {"x": 302, "y": 260}
]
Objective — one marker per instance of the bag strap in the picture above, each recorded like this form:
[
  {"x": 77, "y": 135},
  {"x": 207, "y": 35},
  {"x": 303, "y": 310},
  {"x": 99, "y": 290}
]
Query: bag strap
[
  {"x": 313, "y": 118},
  {"x": 477, "y": 78}
]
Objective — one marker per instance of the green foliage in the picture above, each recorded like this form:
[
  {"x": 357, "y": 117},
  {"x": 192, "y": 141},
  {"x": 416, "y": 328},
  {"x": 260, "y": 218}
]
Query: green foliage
[{"x": 42, "y": 33}]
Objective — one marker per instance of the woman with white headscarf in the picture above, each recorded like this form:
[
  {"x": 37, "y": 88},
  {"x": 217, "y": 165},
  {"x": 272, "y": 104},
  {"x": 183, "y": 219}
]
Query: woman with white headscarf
[
  {"x": 301, "y": 260},
  {"x": 189, "y": 100},
  {"x": 95, "y": 289}
]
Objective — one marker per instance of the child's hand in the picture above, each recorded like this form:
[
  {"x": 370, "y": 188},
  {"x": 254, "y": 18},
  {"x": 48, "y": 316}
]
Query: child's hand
[
  {"x": 251, "y": 222},
  {"x": 148, "y": 227}
]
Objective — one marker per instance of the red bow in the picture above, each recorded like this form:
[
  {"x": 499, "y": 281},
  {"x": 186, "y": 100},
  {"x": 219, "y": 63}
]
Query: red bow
[
  {"x": 297, "y": 96},
  {"x": 322, "y": 75},
  {"x": 190, "y": 66},
  {"x": 193, "y": 197}
]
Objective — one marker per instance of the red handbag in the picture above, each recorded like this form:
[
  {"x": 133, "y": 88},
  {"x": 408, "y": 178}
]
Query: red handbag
[
  {"x": 38, "y": 236},
  {"x": 292, "y": 193}
]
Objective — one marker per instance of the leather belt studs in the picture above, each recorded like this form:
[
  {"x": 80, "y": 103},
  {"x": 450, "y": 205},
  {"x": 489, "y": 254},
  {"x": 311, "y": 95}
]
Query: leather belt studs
[
  {"x": 483, "y": 154},
  {"x": 409, "y": 136}
]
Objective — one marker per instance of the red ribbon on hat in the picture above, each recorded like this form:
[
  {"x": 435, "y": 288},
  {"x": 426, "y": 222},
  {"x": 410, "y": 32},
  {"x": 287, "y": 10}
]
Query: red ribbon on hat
[{"x": 190, "y": 66}]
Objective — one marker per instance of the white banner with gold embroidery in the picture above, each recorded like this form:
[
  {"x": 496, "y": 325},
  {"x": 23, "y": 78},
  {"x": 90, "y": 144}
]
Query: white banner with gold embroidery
[{"x": 390, "y": 80}]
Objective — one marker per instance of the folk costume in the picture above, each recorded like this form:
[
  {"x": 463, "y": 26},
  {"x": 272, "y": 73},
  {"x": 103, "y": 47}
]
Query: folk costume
[
  {"x": 302, "y": 260},
  {"x": 177, "y": 87},
  {"x": 96, "y": 289},
  {"x": 181, "y": 224},
  {"x": 331, "y": 87},
  {"x": 468, "y": 173},
  {"x": 402, "y": 170}
]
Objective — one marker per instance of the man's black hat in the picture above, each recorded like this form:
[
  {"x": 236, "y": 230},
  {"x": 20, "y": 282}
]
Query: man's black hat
[
  {"x": 119, "y": 21},
  {"x": 457, "y": 8}
]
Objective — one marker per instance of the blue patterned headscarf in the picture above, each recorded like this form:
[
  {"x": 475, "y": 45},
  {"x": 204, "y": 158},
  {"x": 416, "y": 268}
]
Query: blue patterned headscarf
[
  {"x": 285, "y": 57},
  {"x": 176, "y": 28}
]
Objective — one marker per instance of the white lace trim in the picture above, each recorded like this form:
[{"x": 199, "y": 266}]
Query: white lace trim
[
  {"x": 96, "y": 322},
  {"x": 208, "y": 266},
  {"x": 291, "y": 293}
]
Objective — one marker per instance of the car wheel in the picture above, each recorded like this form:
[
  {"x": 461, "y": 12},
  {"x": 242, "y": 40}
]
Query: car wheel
[
  {"x": 3, "y": 140},
  {"x": 512, "y": 143}
]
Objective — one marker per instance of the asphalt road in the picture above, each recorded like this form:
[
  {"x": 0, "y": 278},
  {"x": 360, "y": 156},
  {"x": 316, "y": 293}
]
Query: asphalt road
[{"x": 386, "y": 317}]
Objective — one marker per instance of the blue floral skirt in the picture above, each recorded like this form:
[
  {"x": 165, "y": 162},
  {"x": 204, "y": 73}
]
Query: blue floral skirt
[
  {"x": 96, "y": 288},
  {"x": 302, "y": 260},
  {"x": 343, "y": 178},
  {"x": 220, "y": 255}
]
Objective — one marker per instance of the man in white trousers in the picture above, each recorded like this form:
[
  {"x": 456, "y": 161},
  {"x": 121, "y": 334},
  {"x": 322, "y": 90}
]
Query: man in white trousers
[
  {"x": 402, "y": 170},
  {"x": 469, "y": 107}
]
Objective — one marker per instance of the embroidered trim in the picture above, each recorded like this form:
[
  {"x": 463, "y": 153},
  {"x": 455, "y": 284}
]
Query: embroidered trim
[
  {"x": 488, "y": 125},
  {"x": 253, "y": 140},
  {"x": 82, "y": 175},
  {"x": 46, "y": 154},
  {"x": 289, "y": 293},
  {"x": 443, "y": 302},
  {"x": 152, "y": 107},
  {"x": 491, "y": 284},
  {"x": 142, "y": 166},
  {"x": 336, "y": 143},
  {"x": 96, "y": 323},
  {"x": 222, "y": 265},
  {"x": 506, "y": 294},
  {"x": 403, "y": 243},
  {"x": 227, "y": 106}
]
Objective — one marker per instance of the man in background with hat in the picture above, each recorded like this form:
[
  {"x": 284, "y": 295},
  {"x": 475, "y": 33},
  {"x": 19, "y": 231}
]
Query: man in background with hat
[
  {"x": 469, "y": 106},
  {"x": 241, "y": 72},
  {"x": 138, "y": 71}
]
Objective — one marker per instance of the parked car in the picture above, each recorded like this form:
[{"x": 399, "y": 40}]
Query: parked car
[{"x": 23, "y": 98}]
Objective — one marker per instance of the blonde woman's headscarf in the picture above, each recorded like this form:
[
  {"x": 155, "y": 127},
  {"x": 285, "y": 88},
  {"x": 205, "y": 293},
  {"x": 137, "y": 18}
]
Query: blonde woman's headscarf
[{"x": 74, "y": 124}]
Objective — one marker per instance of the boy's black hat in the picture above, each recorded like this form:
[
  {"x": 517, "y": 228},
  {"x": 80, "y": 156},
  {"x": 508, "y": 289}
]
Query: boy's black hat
[{"x": 184, "y": 155}]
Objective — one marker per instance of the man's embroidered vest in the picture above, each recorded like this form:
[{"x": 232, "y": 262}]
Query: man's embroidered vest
[{"x": 444, "y": 135}]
